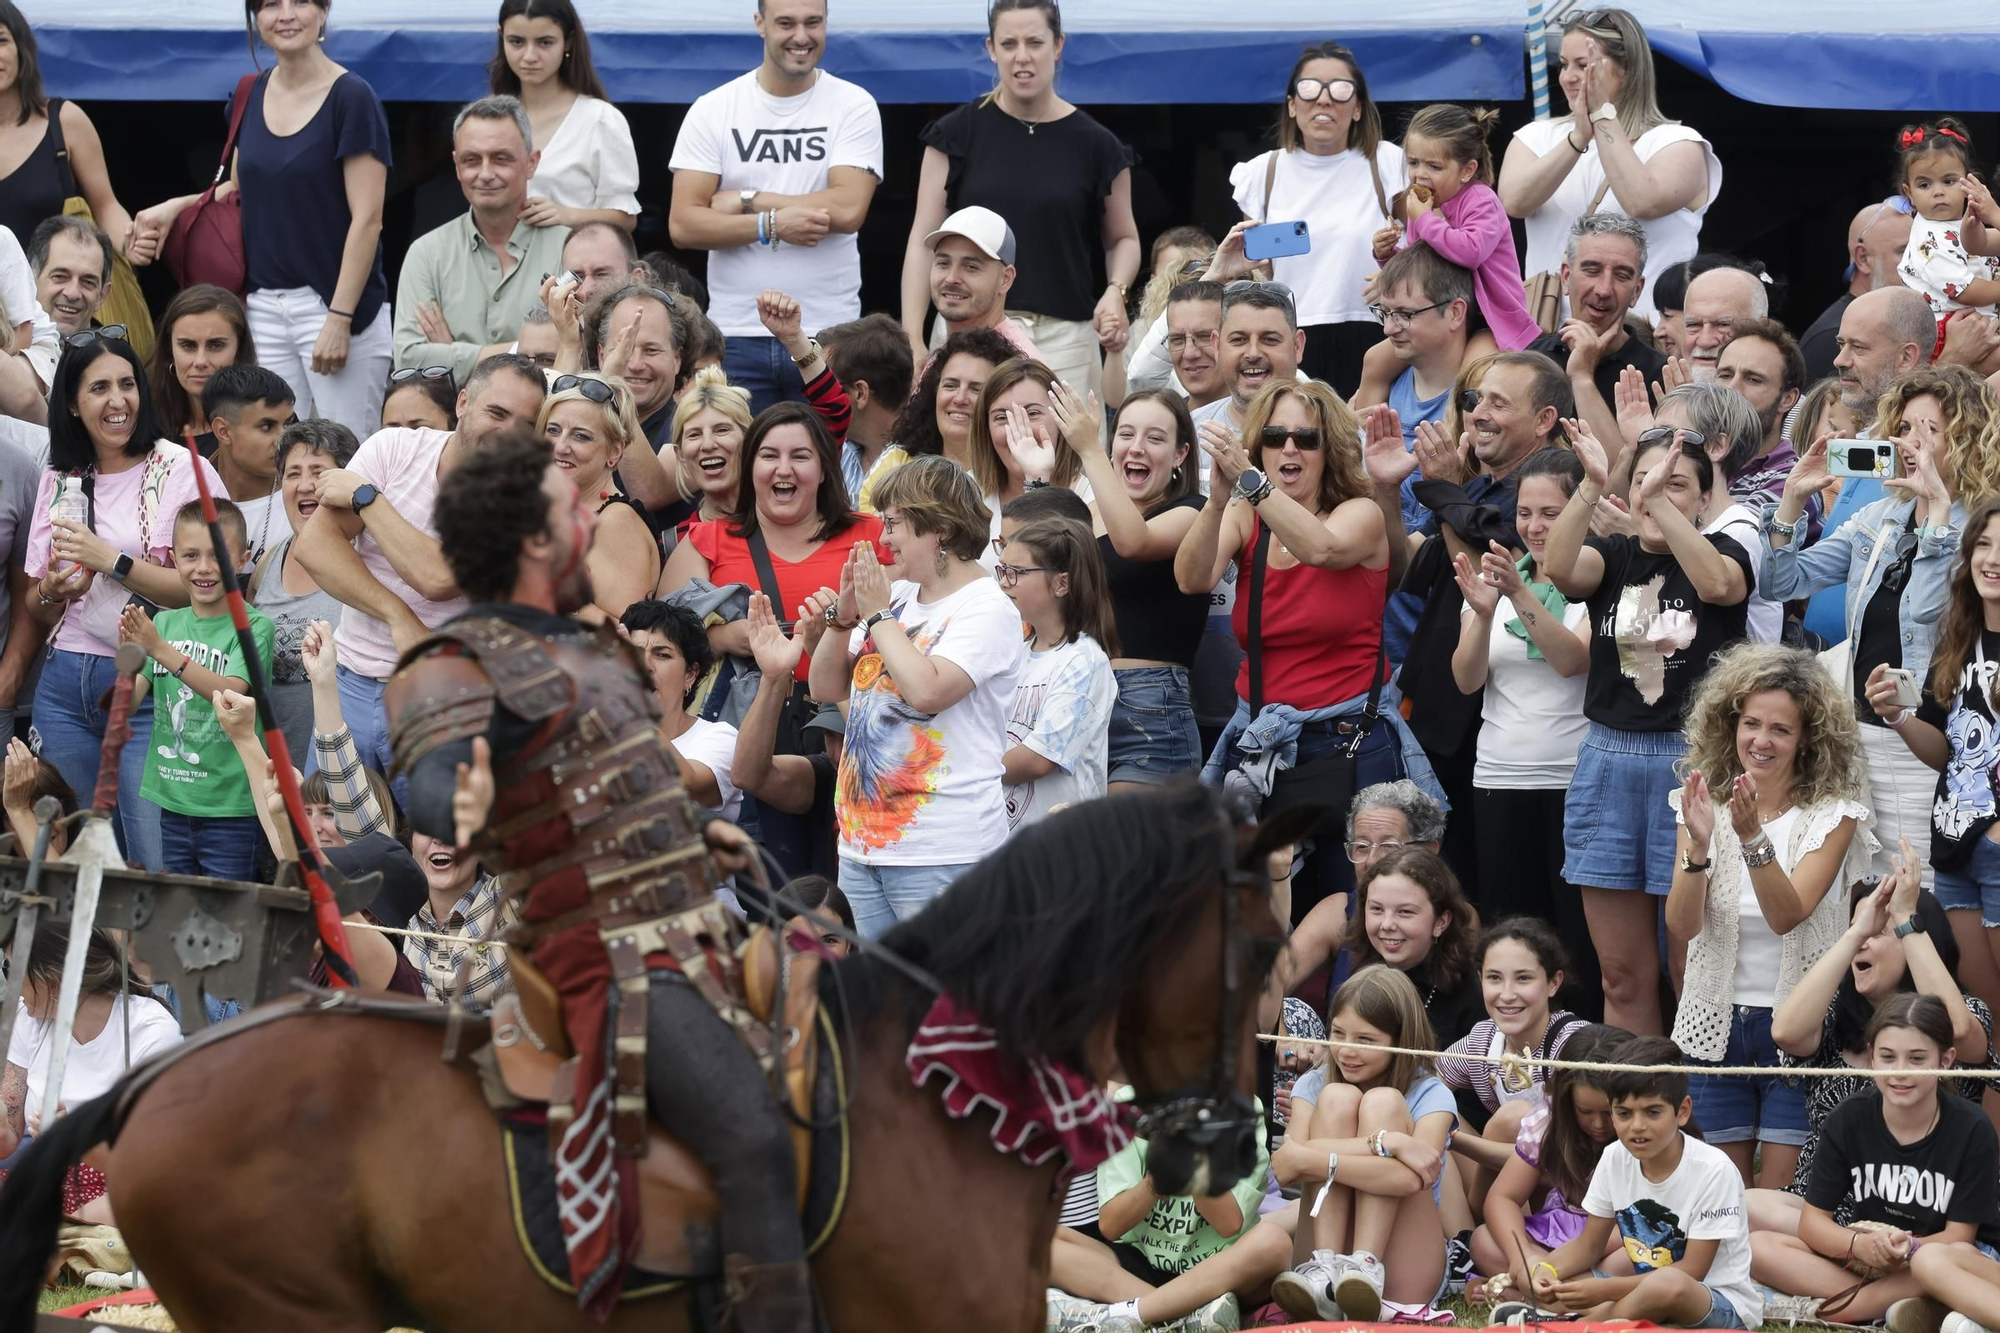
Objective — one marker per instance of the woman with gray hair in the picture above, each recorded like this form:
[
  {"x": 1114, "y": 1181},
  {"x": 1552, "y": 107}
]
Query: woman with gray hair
[
  {"x": 282, "y": 588},
  {"x": 1721, "y": 422}
]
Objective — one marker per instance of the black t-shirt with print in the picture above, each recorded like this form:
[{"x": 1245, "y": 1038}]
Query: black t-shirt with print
[
  {"x": 1634, "y": 353},
  {"x": 1951, "y": 1174},
  {"x": 1651, "y": 637},
  {"x": 1965, "y": 807}
]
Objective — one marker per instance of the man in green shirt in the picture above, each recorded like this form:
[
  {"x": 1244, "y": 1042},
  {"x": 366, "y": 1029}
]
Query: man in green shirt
[{"x": 467, "y": 286}]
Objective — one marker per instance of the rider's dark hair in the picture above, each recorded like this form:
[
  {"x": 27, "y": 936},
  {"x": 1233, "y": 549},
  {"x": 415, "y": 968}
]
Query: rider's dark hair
[{"x": 487, "y": 506}]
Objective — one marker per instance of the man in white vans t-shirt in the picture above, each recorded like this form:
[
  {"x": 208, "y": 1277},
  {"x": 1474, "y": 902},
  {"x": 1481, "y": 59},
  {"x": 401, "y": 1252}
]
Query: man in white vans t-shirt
[{"x": 773, "y": 173}]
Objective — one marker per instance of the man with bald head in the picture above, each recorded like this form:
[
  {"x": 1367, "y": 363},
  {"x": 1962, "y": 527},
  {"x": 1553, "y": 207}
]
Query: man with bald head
[
  {"x": 1717, "y": 302},
  {"x": 1875, "y": 240}
]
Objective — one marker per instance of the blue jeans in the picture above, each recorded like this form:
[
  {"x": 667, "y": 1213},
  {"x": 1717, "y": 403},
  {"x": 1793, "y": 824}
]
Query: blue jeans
[
  {"x": 1736, "y": 1109},
  {"x": 764, "y": 369},
  {"x": 220, "y": 847},
  {"x": 69, "y": 732},
  {"x": 1974, "y": 886},
  {"x": 883, "y": 895},
  {"x": 361, "y": 708}
]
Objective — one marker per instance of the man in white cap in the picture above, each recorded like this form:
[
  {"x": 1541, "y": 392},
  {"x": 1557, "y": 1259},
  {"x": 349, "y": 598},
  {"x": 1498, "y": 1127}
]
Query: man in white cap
[{"x": 972, "y": 267}]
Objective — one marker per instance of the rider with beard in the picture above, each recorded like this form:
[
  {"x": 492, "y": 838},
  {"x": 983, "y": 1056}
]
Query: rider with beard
[{"x": 616, "y": 918}]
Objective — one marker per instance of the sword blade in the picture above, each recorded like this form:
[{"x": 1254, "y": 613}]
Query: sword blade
[{"x": 82, "y": 916}]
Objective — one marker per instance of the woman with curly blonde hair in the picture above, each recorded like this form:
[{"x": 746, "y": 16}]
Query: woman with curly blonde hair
[{"x": 1772, "y": 740}]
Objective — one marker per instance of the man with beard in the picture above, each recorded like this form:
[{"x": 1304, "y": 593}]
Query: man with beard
[
  {"x": 1468, "y": 487},
  {"x": 1603, "y": 273},
  {"x": 71, "y": 260},
  {"x": 603, "y": 258},
  {"x": 1763, "y": 364},
  {"x": 591, "y": 836},
  {"x": 972, "y": 269},
  {"x": 373, "y": 546}
]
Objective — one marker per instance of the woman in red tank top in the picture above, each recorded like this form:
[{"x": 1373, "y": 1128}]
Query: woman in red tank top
[{"x": 1297, "y": 473}]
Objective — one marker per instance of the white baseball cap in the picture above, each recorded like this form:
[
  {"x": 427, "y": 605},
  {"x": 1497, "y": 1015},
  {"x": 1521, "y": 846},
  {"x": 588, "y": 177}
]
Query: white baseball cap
[{"x": 983, "y": 227}]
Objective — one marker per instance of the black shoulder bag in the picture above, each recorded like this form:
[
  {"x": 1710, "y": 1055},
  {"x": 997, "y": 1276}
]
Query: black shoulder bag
[
  {"x": 802, "y": 844},
  {"x": 799, "y": 707},
  {"x": 1326, "y": 784}
]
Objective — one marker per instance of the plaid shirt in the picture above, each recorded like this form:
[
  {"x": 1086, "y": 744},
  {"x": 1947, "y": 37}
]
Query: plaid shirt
[
  {"x": 478, "y": 915},
  {"x": 355, "y": 810}
]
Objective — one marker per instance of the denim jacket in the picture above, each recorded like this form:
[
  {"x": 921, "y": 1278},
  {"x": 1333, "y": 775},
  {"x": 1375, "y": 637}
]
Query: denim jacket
[
  {"x": 1842, "y": 556},
  {"x": 1270, "y": 744}
]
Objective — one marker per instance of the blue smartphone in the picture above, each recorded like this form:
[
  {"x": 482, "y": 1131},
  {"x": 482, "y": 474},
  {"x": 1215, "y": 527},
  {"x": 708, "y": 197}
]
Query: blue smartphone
[{"x": 1274, "y": 240}]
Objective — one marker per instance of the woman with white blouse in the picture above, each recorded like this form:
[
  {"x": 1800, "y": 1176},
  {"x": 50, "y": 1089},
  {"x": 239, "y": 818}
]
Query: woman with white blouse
[
  {"x": 1615, "y": 152},
  {"x": 589, "y": 171},
  {"x": 1334, "y": 170}
]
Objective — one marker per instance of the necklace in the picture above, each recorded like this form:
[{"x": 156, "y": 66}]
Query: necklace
[{"x": 1022, "y": 121}]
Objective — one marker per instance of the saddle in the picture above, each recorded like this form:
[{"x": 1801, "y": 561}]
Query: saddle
[{"x": 525, "y": 1065}]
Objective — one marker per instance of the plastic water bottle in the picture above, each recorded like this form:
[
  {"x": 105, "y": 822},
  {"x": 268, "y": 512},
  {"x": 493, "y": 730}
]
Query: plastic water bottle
[{"x": 70, "y": 506}]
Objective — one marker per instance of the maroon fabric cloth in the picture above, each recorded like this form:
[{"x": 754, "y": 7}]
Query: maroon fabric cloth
[{"x": 1040, "y": 1109}]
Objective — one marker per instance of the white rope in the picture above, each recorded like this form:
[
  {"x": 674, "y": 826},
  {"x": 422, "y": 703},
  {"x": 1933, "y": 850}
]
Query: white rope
[
  {"x": 432, "y": 935},
  {"x": 1528, "y": 1058}
]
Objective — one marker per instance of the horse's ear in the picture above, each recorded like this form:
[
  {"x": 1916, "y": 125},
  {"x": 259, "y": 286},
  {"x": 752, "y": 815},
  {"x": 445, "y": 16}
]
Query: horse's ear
[{"x": 1287, "y": 826}]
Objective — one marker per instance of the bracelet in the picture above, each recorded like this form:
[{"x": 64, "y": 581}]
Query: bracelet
[
  {"x": 1319, "y": 1199},
  {"x": 180, "y": 672},
  {"x": 813, "y": 353},
  {"x": 1380, "y": 1148},
  {"x": 1554, "y": 1272},
  {"x": 1784, "y": 530},
  {"x": 771, "y": 218},
  {"x": 1570, "y": 139},
  {"x": 347, "y": 315},
  {"x": 1901, "y": 719},
  {"x": 763, "y": 233}
]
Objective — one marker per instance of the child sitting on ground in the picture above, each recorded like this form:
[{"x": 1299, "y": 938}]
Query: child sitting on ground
[
  {"x": 1676, "y": 1201},
  {"x": 208, "y": 820}
]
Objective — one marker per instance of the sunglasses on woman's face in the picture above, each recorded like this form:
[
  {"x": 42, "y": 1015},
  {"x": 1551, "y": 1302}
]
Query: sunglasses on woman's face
[
  {"x": 1309, "y": 90},
  {"x": 1274, "y": 437},
  {"x": 85, "y": 337},
  {"x": 597, "y": 391}
]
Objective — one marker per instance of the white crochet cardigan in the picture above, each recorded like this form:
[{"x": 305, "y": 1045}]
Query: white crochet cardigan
[{"x": 1701, "y": 1027}]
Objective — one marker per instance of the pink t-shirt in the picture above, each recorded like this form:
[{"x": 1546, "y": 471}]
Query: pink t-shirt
[
  {"x": 91, "y": 623},
  {"x": 402, "y": 464}
]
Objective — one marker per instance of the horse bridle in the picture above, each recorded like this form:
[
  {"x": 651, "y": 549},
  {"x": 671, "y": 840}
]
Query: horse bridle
[{"x": 1202, "y": 1115}]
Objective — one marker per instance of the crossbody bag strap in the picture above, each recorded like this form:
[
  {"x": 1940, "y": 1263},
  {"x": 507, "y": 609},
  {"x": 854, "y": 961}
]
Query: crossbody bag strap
[
  {"x": 1372, "y": 711},
  {"x": 1259, "y": 553},
  {"x": 1597, "y": 200},
  {"x": 767, "y": 575},
  {"x": 1270, "y": 180},
  {"x": 238, "y": 105}
]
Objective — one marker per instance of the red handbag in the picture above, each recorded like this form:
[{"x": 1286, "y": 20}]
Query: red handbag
[{"x": 206, "y": 241}]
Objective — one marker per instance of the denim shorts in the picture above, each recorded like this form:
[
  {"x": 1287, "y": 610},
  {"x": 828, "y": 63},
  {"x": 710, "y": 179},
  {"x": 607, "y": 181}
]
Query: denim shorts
[
  {"x": 1618, "y": 830},
  {"x": 1737, "y": 1109},
  {"x": 1721, "y": 1314},
  {"x": 1974, "y": 886},
  {"x": 1152, "y": 736}
]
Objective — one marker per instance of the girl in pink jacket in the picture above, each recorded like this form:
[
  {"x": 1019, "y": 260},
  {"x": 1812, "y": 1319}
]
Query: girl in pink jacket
[{"x": 1451, "y": 207}]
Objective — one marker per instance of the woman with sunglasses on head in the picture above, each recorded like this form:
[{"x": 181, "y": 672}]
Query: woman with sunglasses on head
[
  {"x": 103, "y": 533},
  {"x": 589, "y": 170},
  {"x": 310, "y": 168},
  {"x": 1333, "y": 169},
  {"x": 1614, "y": 152},
  {"x": 590, "y": 421},
  {"x": 1291, "y": 507},
  {"x": 423, "y": 397},
  {"x": 1662, "y": 602},
  {"x": 1061, "y": 180},
  {"x": 1894, "y": 559}
]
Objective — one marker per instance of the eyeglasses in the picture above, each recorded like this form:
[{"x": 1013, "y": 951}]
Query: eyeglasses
[
  {"x": 597, "y": 391},
  {"x": 1007, "y": 575},
  {"x": 1358, "y": 852},
  {"x": 1653, "y": 435},
  {"x": 1177, "y": 342},
  {"x": 1309, "y": 90},
  {"x": 409, "y": 373},
  {"x": 1243, "y": 288},
  {"x": 1274, "y": 437},
  {"x": 1402, "y": 319},
  {"x": 85, "y": 337},
  {"x": 1468, "y": 401}
]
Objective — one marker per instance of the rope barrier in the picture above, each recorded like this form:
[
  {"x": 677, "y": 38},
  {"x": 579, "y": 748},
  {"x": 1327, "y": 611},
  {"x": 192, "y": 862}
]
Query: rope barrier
[
  {"x": 1520, "y": 1061},
  {"x": 428, "y": 935}
]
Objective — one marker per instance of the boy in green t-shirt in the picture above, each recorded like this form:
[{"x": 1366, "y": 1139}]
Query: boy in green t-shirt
[{"x": 208, "y": 825}]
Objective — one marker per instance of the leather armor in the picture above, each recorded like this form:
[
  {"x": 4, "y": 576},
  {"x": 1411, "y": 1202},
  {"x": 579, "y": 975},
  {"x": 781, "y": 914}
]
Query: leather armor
[{"x": 590, "y": 825}]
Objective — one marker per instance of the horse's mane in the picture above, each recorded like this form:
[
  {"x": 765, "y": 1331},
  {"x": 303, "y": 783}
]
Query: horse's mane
[{"x": 1043, "y": 937}]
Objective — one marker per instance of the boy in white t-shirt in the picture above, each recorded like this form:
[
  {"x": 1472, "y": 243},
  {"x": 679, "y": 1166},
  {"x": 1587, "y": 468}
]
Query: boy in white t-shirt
[
  {"x": 774, "y": 172},
  {"x": 1677, "y": 1202}
]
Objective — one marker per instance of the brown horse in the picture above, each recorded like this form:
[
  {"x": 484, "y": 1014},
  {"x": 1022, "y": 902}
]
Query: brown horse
[{"x": 333, "y": 1173}]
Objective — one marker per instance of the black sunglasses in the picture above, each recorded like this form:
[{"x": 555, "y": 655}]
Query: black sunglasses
[
  {"x": 409, "y": 373},
  {"x": 1898, "y": 572},
  {"x": 1468, "y": 401},
  {"x": 1653, "y": 435},
  {"x": 1274, "y": 437},
  {"x": 597, "y": 391},
  {"x": 85, "y": 337}
]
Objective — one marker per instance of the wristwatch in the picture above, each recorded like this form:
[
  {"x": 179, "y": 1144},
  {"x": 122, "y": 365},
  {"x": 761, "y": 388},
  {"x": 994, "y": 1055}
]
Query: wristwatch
[
  {"x": 1762, "y": 854},
  {"x": 1692, "y": 866},
  {"x": 1914, "y": 926},
  {"x": 748, "y": 197},
  {"x": 1605, "y": 112},
  {"x": 886, "y": 613},
  {"x": 832, "y": 617},
  {"x": 364, "y": 495},
  {"x": 1252, "y": 485},
  {"x": 121, "y": 567}
]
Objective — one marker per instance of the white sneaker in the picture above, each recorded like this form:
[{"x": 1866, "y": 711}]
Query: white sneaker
[
  {"x": 1221, "y": 1315},
  {"x": 1958, "y": 1323},
  {"x": 1783, "y": 1308},
  {"x": 1071, "y": 1314},
  {"x": 1915, "y": 1314},
  {"x": 1306, "y": 1292},
  {"x": 1358, "y": 1289}
]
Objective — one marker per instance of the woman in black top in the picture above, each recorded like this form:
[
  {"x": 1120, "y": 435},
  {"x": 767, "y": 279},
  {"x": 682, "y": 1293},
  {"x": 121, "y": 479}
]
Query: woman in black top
[
  {"x": 1145, "y": 495},
  {"x": 1063, "y": 183},
  {"x": 50, "y": 151}
]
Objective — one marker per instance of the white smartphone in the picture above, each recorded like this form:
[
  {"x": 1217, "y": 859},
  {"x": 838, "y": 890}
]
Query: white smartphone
[
  {"x": 1875, "y": 459},
  {"x": 1908, "y": 693}
]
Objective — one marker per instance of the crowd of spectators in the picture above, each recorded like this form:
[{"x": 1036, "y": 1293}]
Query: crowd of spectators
[{"x": 1633, "y": 640}]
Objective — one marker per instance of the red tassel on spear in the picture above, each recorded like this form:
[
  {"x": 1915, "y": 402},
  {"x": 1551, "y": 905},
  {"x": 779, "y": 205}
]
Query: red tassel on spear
[{"x": 326, "y": 912}]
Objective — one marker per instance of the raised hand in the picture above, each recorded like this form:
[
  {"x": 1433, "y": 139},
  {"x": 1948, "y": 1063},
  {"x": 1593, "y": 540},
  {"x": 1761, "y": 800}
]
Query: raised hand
[
  {"x": 17, "y": 781},
  {"x": 1979, "y": 201},
  {"x": 1077, "y": 420},
  {"x": 235, "y": 713},
  {"x": 1743, "y": 815},
  {"x": 1230, "y": 457},
  {"x": 565, "y": 311},
  {"x": 1697, "y": 811},
  {"x": 1589, "y": 451},
  {"x": 1479, "y": 593},
  {"x": 472, "y": 801},
  {"x": 1808, "y": 476},
  {"x": 1880, "y": 691},
  {"x": 1499, "y": 568},
  {"x": 1383, "y": 453},
  {"x": 1678, "y": 371},
  {"x": 1634, "y": 408},
  {"x": 135, "y": 626},
  {"x": 1440, "y": 457},
  {"x": 780, "y": 314},
  {"x": 1612, "y": 518},
  {"x": 1905, "y": 883},
  {"x": 316, "y": 652},
  {"x": 847, "y": 611},
  {"x": 871, "y": 581},
  {"x": 1034, "y": 454},
  {"x": 776, "y": 654},
  {"x": 613, "y": 359}
]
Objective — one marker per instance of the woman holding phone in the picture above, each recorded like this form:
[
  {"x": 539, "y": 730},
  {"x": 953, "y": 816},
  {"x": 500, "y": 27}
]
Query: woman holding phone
[{"x": 1894, "y": 557}]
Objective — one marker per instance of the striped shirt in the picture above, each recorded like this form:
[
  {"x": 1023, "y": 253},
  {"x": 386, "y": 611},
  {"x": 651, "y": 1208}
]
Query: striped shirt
[
  {"x": 478, "y": 915},
  {"x": 356, "y": 812}
]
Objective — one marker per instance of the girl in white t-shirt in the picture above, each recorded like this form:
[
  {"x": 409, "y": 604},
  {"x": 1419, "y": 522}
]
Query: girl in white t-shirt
[
  {"x": 1951, "y": 257},
  {"x": 1615, "y": 152},
  {"x": 1058, "y": 731},
  {"x": 1772, "y": 742},
  {"x": 589, "y": 170},
  {"x": 1369, "y": 1165},
  {"x": 1333, "y": 170}
]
